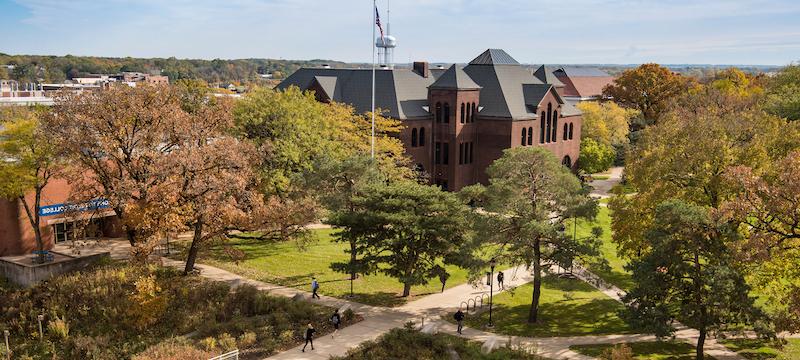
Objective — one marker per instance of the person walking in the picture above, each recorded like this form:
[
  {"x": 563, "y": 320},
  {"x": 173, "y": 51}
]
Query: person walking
[
  {"x": 309, "y": 337},
  {"x": 336, "y": 319},
  {"x": 500, "y": 278},
  {"x": 459, "y": 316},
  {"x": 314, "y": 288},
  {"x": 443, "y": 278}
]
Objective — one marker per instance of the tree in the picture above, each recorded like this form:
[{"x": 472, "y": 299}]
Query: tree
[
  {"x": 595, "y": 157},
  {"x": 689, "y": 276},
  {"x": 120, "y": 141},
  {"x": 768, "y": 208},
  {"x": 783, "y": 93},
  {"x": 686, "y": 155},
  {"x": 529, "y": 197},
  {"x": 214, "y": 170},
  {"x": 29, "y": 159},
  {"x": 649, "y": 89},
  {"x": 405, "y": 230},
  {"x": 605, "y": 122}
]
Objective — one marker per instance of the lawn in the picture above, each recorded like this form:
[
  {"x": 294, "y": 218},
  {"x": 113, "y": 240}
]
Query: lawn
[
  {"x": 657, "y": 350},
  {"x": 615, "y": 274},
  {"x": 568, "y": 307},
  {"x": 756, "y": 349},
  {"x": 284, "y": 263},
  {"x": 407, "y": 344}
]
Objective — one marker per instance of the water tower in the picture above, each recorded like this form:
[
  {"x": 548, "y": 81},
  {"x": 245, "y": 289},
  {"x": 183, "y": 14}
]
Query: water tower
[{"x": 386, "y": 44}]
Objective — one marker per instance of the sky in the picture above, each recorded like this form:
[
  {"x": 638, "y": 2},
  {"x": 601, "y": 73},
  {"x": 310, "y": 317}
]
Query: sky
[{"x": 532, "y": 31}]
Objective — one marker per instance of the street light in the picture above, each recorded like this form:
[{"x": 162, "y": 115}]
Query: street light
[
  {"x": 492, "y": 263},
  {"x": 8, "y": 348},
  {"x": 41, "y": 332}
]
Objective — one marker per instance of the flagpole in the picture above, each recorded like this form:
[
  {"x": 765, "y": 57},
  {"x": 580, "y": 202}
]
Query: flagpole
[{"x": 374, "y": 22}]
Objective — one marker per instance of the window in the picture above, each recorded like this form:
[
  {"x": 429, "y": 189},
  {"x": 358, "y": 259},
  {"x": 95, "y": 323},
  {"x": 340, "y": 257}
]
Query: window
[
  {"x": 541, "y": 130},
  {"x": 64, "y": 231},
  {"x": 473, "y": 112},
  {"x": 463, "y": 112},
  {"x": 567, "y": 162},
  {"x": 414, "y": 137},
  {"x": 548, "y": 130},
  {"x": 422, "y": 136},
  {"x": 524, "y": 136},
  {"x": 438, "y": 112},
  {"x": 446, "y": 119},
  {"x": 461, "y": 153},
  {"x": 566, "y": 131},
  {"x": 469, "y": 113},
  {"x": 570, "y": 131},
  {"x": 442, "y": 183},
  {"x": 530, "y": 135},
  {"x": 555, "y": 126},
  {"x": 465, "y": 153},
  {"x": 446, "y": 154},
  {"x": 469, "y": 153},
  {"x": 438, "y": 153}
]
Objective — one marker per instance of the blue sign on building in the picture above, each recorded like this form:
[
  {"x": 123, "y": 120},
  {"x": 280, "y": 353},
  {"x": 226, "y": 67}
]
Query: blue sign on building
[{"x": 58, "y": 209}]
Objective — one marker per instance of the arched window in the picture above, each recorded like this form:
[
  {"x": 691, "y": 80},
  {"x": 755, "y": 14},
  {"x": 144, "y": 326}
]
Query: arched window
[
  {"x": 474, "y": 112},
  {"x": 524, "y": 136},
  {"x": 463, "y": 112},
  {"x": 414, "y": 137},
  {"x": 566, "y": 131},
  {"x": 570, "y": 131},
  {"x": 438, "y": 112},
  {"x": 422, "y": 136},
  {"x": 446, "y": 119},
  {"x": 567, "y": 162},
  {"x": 555, "y": 126},
  {"x": 530, "y": 135},
  {"x": 548, "y": 130},
  {"x": 541, "y": 125},
  {"x": 469, "y": 113}
]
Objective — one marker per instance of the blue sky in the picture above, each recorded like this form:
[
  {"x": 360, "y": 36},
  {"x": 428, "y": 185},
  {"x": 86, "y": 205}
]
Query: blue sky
[{"x": 533, "y": 31}]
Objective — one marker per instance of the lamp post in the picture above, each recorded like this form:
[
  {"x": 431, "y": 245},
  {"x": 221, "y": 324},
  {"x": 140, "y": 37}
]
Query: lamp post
[
  {"x": 41, "y": 331},
  {"x": 492, "y": 263}
]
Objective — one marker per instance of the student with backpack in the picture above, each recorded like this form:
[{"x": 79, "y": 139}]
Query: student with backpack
[
  {"x": 336, "y": 319},
  {"x": 459, "y": 316},
  {"x": 314, "y": 288},
  {"x": 500, "y": 278}
]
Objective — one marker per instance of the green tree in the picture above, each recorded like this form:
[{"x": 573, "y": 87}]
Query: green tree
[
  {"x": 605, "y": 122},
  {"x": 686, "y": 155},
  {"x": 689, "y": 276},
  {"x": 29, "y": 159},
  {"x": 595, "y": 157},
  {"x": 649, "y": 89},
  {"x": 529, "y": 197},
  {"x": 783, "y": 93},
  {"x": 405, "y": 230}
]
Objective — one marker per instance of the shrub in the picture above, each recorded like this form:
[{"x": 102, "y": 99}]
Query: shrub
[
  {"x": 595, "y": 157},
  {"x": 59, "y": 328},
  {"x": 287, "y": 336},
  {"x": 209, "y": 344},
  {"x": 349, "y": 315},
  {"x": 618, "y": 352},
  {"x": 173, "y": 349},
  {"x": 247, "y": 339},
  {"x": 226, "y": 342}
]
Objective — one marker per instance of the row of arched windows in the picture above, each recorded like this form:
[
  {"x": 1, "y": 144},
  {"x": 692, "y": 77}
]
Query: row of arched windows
[
  {"x": 418, "y": 137},
  {"x": 468, "y": 111},
  {"x": 567, "y": 131},
  {"x": 527, "y": 136},
  {"x": 442, "y": 113},
  {"x": 465, "y": 152},
  {"x": 548, "y": 125}
]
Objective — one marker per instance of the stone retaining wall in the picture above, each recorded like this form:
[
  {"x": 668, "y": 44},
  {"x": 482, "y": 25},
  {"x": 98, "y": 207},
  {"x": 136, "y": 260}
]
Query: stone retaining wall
[{"x": 28, "y": 274}]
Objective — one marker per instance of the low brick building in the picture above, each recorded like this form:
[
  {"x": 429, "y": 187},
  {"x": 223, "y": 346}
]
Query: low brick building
[{"x": 459, "y": 120}]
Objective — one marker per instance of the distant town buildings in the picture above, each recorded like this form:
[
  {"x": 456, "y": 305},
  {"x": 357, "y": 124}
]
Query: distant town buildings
[{"x": 15, "y": 93}]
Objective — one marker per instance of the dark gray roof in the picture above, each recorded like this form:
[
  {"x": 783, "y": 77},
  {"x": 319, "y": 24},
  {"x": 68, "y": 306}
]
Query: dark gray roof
[
  {"x": 494, "y": 57},
  {"x": 328, "y": 84},
  {"x": 502, "y": 93},
  {"x": 454, "y": 78},
  {"x": 546, "y": 75},
  {"x": 582, "y": 71}
]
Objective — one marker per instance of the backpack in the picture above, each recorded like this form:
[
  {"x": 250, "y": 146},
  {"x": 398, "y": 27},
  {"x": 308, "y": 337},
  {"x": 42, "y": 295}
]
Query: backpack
[{"x": 335, "y": 319}]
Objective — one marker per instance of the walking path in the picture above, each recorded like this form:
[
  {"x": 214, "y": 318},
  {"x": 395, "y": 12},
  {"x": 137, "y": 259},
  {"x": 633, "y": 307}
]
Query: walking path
[{"x": 602, "y": 188}]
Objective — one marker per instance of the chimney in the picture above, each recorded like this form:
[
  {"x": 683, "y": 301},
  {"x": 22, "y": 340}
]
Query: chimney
[{"x": 421, "y": 68}]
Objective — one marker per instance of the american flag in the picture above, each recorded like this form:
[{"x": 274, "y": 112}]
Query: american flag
[{"x": 378, "y": 22}]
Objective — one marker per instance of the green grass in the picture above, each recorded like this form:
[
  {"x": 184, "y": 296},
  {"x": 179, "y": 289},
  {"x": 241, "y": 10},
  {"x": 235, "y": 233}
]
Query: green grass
[
  {"x": 568, "y": 307},
  {"x": 657, "y": 350},
  {"x": 284, "y": 263},
  {"x": 601, "y": 177},
  {"x": 756, "y": 349},
  {"x": 616, "y": 273}
]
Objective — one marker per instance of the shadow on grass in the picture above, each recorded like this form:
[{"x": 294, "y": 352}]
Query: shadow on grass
[
  {"x": 563, "y": 318},
  {"x": 671, "y": 350}
]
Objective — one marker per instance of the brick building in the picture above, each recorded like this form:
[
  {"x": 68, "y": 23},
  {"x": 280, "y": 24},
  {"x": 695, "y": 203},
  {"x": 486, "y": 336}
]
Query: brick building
[{"x": 459, "y": 120}]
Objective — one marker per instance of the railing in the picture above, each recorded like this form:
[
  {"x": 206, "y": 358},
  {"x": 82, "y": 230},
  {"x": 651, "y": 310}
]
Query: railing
[
  {"x": 476, "y": 303},
  {"x": 228, "y": 356}
]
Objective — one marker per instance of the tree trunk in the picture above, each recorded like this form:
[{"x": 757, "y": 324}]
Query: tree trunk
[
  {"x": 533, "y": 316},
  {"x": 406, "y": 289},
  {"x": 194, "y": 248},
  {"x": 33, "y": 218},
  {"x": 352, "y": 259},
  {"x": 700, "y": 343}
]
